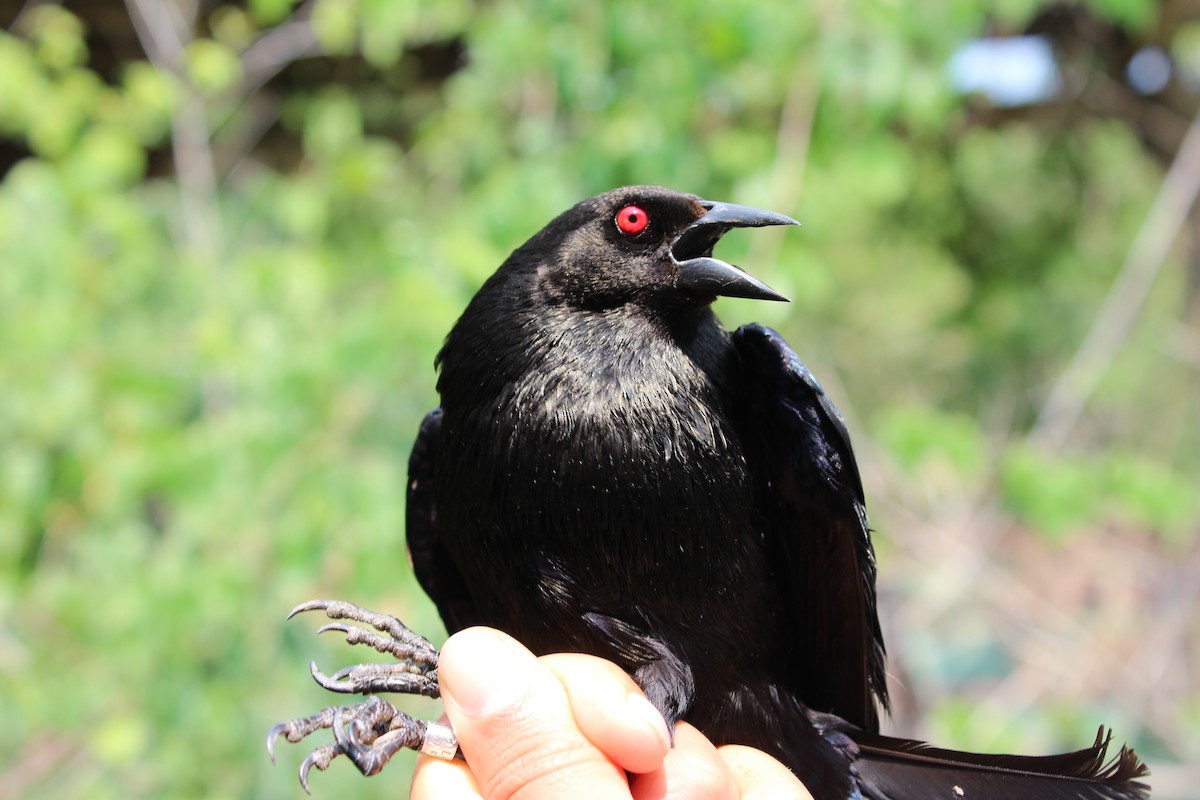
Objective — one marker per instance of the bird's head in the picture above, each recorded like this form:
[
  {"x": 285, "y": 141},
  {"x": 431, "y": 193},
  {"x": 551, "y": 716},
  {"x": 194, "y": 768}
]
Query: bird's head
[{"x": 646, "y": 245}]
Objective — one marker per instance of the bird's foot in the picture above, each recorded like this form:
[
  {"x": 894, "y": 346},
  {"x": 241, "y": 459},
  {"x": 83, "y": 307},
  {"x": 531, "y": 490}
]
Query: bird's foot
[
  {"x": 415, "y": 672},
  {"x": 370, "y": 733}
]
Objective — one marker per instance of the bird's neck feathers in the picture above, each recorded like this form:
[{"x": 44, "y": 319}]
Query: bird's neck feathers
[{"x": 514, "y": 330}]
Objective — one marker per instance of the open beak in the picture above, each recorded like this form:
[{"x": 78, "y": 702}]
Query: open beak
[{"x": 699, "y": 272}]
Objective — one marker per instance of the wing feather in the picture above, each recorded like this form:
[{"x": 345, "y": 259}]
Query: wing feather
[{"x": 815, "y": 521}]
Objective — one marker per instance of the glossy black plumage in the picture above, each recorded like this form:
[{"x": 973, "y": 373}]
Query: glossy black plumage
[{"x": 613, "y": 472}]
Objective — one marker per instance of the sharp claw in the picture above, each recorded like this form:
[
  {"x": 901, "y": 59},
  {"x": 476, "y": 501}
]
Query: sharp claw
[
  {"x": 305, "y": 766},
  {"x": 334, "y": 683},
  {"x": 339, "y": 733},
  {"x": 272, "y": 735},
  {"x": 348, "y": 735},
  {"x": 311, "y": 605},
  {"x": 334, "y": 626}
]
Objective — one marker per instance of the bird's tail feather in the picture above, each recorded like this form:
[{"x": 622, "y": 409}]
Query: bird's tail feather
[{"x": 904, "y": 769}]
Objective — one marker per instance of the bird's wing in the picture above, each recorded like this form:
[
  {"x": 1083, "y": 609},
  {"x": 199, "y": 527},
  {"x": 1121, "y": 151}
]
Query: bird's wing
[
  {"x": 432, "y": 564},
  {"x": 815, "y": 528}
]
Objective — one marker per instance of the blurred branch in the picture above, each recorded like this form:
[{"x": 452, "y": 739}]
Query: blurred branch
[
  {"x": 1185, "y": 345},
  {"x": 292, "y": 39},
  {"x": 36, "y": 764},
  {"x": 265, "y": 57},
  {"x": 164, "y": 30},
  {"x": 26, "y": 7},
  {"x": 793, "y": 134},
  {"x": 1125, "y": 297}
]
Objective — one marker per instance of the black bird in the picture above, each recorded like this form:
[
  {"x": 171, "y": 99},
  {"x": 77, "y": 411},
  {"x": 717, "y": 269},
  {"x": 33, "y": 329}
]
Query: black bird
[{"x": 612, "y": 472}]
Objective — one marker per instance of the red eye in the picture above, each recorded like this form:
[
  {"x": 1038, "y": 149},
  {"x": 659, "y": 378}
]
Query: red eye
[{"x": 631, "y": 220}]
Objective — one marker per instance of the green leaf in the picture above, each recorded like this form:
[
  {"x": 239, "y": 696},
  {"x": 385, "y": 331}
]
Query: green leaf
[
  {"x": 106, "y": 157},
  {"x": 935, "y": 441},
  {"x": 212, "y": 66},
  {"x": 271, "y": 12},
  {"x": 335, "y": 23},
  {"x": 333, "y": 126},
  {"x": 1056, "y": 495},
  {"x": 1135, "y": 14},
  {"x": 386, "y": 24},
  {"x": 58, "y": 37},
  {"x": 1151, "y": 495},
  {"x": 63, "y": 112},
  {"x": 150, "y": 97},
  {"x": 22, "y": 85}
]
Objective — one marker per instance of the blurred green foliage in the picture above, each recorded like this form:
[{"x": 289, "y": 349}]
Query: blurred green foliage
[{"x": 213, "y": 370}]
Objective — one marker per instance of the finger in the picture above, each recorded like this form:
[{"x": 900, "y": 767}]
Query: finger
[
  {"x": 438, "y": 779},
  {"x": 611, "y": 711},
  {"x": 693, "y": 770},
  {"x": 761, "y": 777},
  {"x": 515, "y": 725}
]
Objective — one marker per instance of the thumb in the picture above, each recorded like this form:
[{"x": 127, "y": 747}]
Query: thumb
[{"x": 514, "y": 723}]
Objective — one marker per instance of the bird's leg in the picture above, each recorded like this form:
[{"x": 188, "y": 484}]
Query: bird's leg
[{"x": 370, "y": 733}]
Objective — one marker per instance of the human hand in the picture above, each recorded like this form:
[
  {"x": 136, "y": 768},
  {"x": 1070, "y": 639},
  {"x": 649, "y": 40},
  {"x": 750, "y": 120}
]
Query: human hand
[{"x": 575, "y": 726}]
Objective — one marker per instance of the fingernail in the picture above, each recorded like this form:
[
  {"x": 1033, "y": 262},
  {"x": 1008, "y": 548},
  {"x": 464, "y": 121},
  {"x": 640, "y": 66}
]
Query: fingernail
[
  {"x": 486, "y": 673},
  {"x": 642, "y": 709}
]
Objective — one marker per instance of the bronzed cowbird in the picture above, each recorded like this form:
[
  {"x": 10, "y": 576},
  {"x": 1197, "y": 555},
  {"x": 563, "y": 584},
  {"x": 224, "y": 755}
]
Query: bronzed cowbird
[{"x": 613, "y": 472}]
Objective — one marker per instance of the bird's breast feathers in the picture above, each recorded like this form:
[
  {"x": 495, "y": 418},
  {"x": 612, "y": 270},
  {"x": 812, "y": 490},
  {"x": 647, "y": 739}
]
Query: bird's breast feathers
[{"x": 622, "y": 399}]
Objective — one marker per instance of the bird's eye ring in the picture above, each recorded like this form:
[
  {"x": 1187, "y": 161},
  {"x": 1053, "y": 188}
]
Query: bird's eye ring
[{"x": 632, "y": 220}]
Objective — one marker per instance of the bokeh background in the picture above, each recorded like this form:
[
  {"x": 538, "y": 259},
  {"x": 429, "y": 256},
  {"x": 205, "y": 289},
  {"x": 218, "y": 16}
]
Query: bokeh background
[{"x": 233, "y": 235}]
